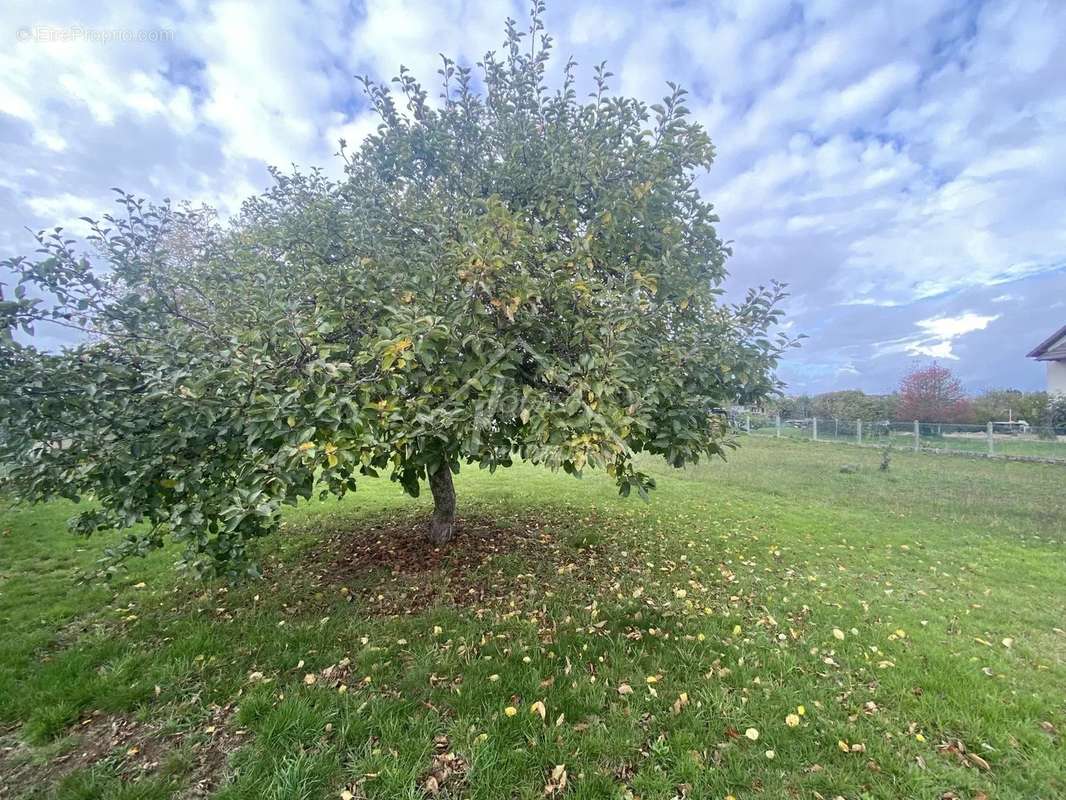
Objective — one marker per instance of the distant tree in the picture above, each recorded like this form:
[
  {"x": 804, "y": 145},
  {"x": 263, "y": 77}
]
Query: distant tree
[
  {"x": 843, "y": 404},
  {"x": 1055, "y": 414},
  {"x": 932, "y": 394},
  {"x": 790, "y": 406},
  {"x": 854, "y": 404},
  {"x": 1035, "y": 407},
  {"x": 883, "y": 406},
  {"x": 509, "y": 273},
  {"x": 996, "y": 405}
]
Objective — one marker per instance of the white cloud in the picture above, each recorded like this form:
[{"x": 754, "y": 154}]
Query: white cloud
[
  {"x": 880, "y": 157},
  {"x": 953, "y": 327},
  {"x": 65, "y": 209},
  {"x": 936, "y": 336}
]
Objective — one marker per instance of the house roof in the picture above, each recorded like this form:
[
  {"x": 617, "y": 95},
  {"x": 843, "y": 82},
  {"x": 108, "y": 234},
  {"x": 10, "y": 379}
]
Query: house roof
[{"x": 1053, "y": 348}]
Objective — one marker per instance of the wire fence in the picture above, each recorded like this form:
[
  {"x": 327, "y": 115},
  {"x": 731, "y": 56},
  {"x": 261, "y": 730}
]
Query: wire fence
[{"x": 1008, "y": 439}]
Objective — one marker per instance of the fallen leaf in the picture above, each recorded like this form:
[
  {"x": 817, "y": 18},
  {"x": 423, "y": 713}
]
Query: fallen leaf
[
  {"x": 557, "y": 783},
  {"x": 681, "y": 702}
]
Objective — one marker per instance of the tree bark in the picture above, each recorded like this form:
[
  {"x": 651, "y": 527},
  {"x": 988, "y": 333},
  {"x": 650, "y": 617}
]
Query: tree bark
[{"x": 442, "y": 526}]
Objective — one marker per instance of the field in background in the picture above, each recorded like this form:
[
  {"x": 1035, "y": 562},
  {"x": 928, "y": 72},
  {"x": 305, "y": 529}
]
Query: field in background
[
  {"x": 1003, "y": 440},
  {"x": 770, "y": 627}
]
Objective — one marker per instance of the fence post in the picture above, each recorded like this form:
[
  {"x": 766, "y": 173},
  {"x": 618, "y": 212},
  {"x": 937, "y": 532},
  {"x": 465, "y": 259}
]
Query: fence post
[
  {"x": 778, "y": 426},
  {"x": 747, "y": 423},
  {"x": 858, "y": 430},
  {"x": 917, "y": 436},
  {"x": 814, "y": 428},
  {"x": 991, "y": 440}
]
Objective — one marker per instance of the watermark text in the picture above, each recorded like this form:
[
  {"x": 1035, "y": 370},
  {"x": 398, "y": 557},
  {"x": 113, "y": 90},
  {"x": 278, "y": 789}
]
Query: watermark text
[{"x": 58, "y": 34}]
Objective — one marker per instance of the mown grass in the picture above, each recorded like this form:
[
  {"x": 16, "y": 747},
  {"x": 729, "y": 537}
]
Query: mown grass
[
  {"x": 976, "y": 443},
  {"x": 719, "y": 604}
]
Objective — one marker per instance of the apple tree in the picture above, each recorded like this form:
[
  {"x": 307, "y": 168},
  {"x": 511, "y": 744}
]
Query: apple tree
[{"x": 504, "y": 272}]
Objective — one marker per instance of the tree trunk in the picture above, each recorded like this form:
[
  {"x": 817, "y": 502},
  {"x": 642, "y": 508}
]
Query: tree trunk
[{"x": 442, "y": 526}]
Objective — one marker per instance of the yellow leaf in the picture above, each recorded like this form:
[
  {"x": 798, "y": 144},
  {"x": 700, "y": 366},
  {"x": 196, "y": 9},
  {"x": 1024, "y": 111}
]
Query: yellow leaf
[
  {"x": 306, "y": 446},
  {"x": 801, "y": 710},
  {"x": 838, "y": 634},
  {"x": 681, "y": 702},
  {"x": 538, "y": 708}
]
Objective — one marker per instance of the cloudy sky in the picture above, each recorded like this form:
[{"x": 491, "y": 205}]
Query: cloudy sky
[{"x": 902, "y": 165}]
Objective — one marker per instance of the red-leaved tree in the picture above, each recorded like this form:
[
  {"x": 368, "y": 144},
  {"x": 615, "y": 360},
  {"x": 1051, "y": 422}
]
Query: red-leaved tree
[{"x": 932, "y": 394}]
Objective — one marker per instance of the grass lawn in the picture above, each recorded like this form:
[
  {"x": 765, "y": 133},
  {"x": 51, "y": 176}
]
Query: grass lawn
[
  {"x": 767, "y": 628},
  {"x": 1028, "y": 446}
]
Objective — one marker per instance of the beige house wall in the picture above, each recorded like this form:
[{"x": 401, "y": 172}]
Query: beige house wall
[{"x": 1056, "y": 377}]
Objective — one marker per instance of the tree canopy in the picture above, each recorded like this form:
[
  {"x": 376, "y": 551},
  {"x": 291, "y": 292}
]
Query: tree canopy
[
  {"x": 504, "y": 272},
  {"x": 932, "y": 394}
]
